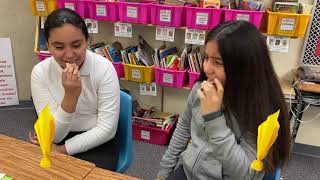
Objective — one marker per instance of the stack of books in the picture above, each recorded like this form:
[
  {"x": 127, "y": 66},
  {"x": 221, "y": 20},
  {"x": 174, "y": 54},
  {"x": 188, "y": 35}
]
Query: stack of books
[
  {"x": 166, "y": 58},
  {"x": 109, "y": 51},
  {"x": 161, "y": 120},
  {"x": 152, "y": 118},
  {"x": 195, "y": 60},
  {"x": 138, "y": 55}
]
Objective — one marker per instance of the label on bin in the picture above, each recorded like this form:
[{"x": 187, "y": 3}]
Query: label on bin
[
  {"x": 101, "y": 10},
  {"x": 145, "y": 135},
  {"x": 132, "y": 12},
  {"x": 69, "y": 6},
  {"x": 287, "y": 24},
  {"x": 136, "y": 73},
  {"x": 165, "y": 15},
  {"x": 202, "y": 19},
  {"x": 167, "y": 78},
  {"x": 40, "y": 6},
  {"x": 243, "y": 17}
]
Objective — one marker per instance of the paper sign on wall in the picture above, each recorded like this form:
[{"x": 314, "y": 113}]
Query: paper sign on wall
[
  {"x": 148, "y": 89},
  {"x": 122, "y": 29},
  {"x": 194, "y": 36},
  {"x": 278, "y": 43},
  {"x": 165, "y": 34},
  {"x": 92, "y": 25},
  {"x": 8, "y": 85}
]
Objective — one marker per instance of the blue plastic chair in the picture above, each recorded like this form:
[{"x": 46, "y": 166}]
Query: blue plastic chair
[
  {"x": 124, "y": 133},
  {"x": 275, "y": 176}
]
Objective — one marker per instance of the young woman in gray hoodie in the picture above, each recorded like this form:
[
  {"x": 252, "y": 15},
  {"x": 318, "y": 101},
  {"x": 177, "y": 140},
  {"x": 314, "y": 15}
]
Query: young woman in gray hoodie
[{"x": 237, "y": 90}]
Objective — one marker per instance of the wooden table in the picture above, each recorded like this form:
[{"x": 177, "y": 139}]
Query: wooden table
[
  {"x": 98, "y": 173},
  {"x": 20, "y": 160}
]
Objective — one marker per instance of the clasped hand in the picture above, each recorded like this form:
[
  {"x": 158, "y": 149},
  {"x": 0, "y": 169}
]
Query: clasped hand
[
  {"x": 211, "y": 96},
  {"x": 71, "y": 81},
  {"x": 34, "y": 140}
]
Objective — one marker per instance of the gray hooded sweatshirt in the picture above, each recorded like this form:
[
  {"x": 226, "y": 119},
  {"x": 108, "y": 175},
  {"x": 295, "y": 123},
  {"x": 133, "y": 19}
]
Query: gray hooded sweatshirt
[{"x": 216, "y": 150}]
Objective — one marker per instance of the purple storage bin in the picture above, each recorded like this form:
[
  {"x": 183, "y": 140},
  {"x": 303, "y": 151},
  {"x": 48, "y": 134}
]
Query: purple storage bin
[
  {"x": 119, "y": 69},
  {"x": 202, "y": 18},
  {"x": 193, "y": 76},
  {"x": 253, "y": 17},
  {"x": 81, "y": 6},
  {"x": 102, "y": 10},
  {"x": 134, "y": 12},
  {"x": 165, "y": 15},
  {"x": 170, "y": 78}
]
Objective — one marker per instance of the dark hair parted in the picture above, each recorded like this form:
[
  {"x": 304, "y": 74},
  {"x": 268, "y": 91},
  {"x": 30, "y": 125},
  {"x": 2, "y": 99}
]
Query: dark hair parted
[
  {"x": 59, "y": 17},
  {"x": 252, "y": 90}
]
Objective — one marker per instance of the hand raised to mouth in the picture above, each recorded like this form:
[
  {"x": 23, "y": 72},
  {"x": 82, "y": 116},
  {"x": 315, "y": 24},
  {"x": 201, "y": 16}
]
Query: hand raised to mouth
[{"x": 211, "y": 96}]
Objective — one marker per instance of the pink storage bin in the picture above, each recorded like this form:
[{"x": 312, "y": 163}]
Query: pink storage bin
[
  {"x": 170, "y": 78},
  {"x": 253, "y": 17},
  {"x": 131, "y": 12},
  {"x": 202, "y": 18},
  {"x": 119, "y": 69},
  {"x": 166, "y": 15},
  {"x": 152, "y": 135},
  {"x": 43, "y": 55},
  {"x": 102, "y": 10},
  {"x": 81, "y": 6},
  {"x": 193, "y": 76}
]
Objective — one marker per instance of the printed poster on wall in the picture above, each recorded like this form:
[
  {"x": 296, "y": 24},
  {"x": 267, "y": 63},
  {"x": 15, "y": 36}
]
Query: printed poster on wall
[
  {"x": 195, "y": 36},
  {"x": 278, "y": 43},
  {"x": 8, "y": 85}
]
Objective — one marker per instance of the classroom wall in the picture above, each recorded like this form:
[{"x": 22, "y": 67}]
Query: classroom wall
[{"x": 17, "y": 23}]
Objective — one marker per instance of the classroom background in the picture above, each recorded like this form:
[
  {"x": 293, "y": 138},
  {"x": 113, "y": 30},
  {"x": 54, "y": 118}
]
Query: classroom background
[{"x": 18, "y": 24}]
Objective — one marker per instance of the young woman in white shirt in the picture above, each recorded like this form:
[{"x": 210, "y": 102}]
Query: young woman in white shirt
[{"x": 82, "y": 90}]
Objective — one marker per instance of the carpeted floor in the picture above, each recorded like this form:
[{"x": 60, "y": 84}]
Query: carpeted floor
[{"x": 16, "y": 122}]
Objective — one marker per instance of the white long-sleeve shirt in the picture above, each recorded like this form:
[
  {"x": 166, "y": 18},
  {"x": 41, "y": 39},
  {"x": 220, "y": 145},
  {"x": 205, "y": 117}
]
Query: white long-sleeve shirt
[{"x": 97, "y": 111}]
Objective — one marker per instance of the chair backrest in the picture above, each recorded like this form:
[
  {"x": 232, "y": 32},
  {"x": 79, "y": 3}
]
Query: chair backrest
[
  {"x": 275, "y": 176},
  {"x": 124, "y": 133}
]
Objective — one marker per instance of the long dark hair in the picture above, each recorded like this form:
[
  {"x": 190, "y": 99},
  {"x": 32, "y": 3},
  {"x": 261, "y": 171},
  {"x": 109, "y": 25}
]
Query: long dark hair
[
  {"x": 59, "y": 17},
  {"x": 252, "y": 90}
]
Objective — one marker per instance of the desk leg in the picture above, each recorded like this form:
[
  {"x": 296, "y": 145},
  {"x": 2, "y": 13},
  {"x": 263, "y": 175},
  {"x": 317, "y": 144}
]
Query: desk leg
[{"x": 299, "y": 112}]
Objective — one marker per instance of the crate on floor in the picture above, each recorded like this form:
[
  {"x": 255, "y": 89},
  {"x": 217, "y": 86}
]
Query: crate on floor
[{"x": 152, "y": 135}]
